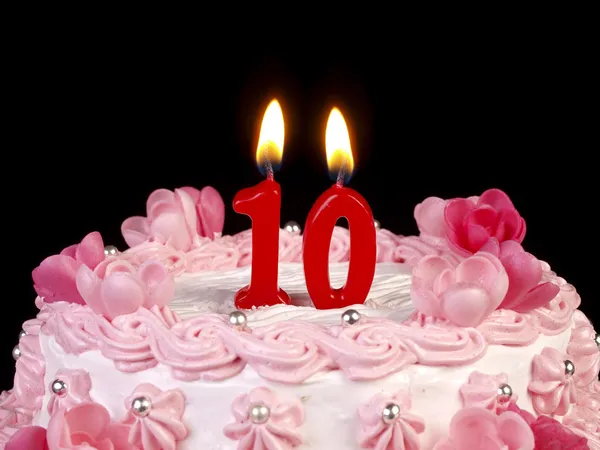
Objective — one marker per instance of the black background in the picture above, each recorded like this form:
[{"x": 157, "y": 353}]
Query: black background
[{"x": 95, "y": 131}]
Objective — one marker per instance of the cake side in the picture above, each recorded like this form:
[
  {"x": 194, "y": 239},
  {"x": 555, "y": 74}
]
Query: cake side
[{"x": 496, "y": 335}]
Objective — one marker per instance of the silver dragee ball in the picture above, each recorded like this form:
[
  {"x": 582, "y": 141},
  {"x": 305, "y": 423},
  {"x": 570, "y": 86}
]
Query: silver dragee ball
[
  {"x": 390, "y": 413},
  {"x": 350, "y": 317},
  {"x": 377, "y": 224},
  {"x": 141, "y": 406},
  {"x": 16, "y": 352},
  {"x": 238, "y": 319},
  {"x": 259, "y": 413},
  {"x": 111, "y": 250},
  {"x": 569, "y": 368},
  {"x": 597, "y": 339},
  {"x": 22, "y": 334},
  {"x": 505, "y": 392},
  {"x": 292, "y": 227},
  {"x": 59, "y": 387}
]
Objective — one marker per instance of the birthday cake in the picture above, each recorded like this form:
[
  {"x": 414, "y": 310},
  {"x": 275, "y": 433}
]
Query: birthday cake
[{"x": 464, "y": 341}]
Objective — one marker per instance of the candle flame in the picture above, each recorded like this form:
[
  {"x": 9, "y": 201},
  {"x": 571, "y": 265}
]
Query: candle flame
[
  {"x": 337, "y": 147},
  {"x": 269, "y": 151}
]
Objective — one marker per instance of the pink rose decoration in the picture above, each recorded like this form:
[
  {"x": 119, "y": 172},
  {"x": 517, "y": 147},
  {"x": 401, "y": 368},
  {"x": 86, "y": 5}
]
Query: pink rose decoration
[
  {"x": 464, "y": 295},
  {"x": 28, "y": 438},
  {"x": 275, "y": 429},
  {"x": 54, "y": 278},
  {"x": 77, "y": 390},
  {"x": 525, "y": 289},
  {"x": 400, "y": 434},
  {"x": 584, "y": 351},
  {"x": 469, "y": 224},
  {"x": 479, "y": 429},
  {"x": 177, "y": 218},
  {"x": 430, "y": 217},
  {"x": 482, "y": 391},
  {"x": 161, "y": 427},
  {"x": 552, "y": 390},
  {"x": 86, "y": 426},
  {"x": 116, "y": 287}
]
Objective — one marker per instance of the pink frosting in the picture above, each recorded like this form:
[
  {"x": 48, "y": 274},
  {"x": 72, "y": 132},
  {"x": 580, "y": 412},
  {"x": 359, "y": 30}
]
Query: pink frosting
[
  {"x": 402, "y": 434},
  {"x": 584, "y": 422},
  {"x": 464, "y": 295},
  {"x": 552, "y": 390},
  {"x": 584, "y": 351},
  {"x": 78, "y": 385},
  {"x": 177, "y": 218},
  {"x": 29, "y": 388},
  {"x": 479, "y": 429},
  {"x": 162, "y": 427},
  {"x": 116, "y": 287},
  {"x": 525, "y": 290},
  {"x": 481, "y": 391},
  {"x": 411, "y": 249},
  {"x": 278, "y": 432},
  {"x": 54, "y": 278},
  {"x": 507, "y": 327}
]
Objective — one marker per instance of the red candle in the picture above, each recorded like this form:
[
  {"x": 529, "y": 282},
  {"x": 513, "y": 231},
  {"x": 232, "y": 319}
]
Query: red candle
[
  {"x": 263, "y": 203},
  {"x": 339, "y": 201}
]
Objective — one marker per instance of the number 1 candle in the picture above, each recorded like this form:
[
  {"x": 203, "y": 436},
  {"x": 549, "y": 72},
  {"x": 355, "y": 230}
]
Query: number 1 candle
[
  {"x": 263, "y": 203},
  {"x": 336, "y": 202}
]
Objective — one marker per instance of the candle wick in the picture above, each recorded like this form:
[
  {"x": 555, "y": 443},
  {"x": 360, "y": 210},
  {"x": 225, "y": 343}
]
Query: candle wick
[
  {"x": 269, "y": 169},
  {"x": 341, "y": 176},
  {"x": 268, "y": 165}
]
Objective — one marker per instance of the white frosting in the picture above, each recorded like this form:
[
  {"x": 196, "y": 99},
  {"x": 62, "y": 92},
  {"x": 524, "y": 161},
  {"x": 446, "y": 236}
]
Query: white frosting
[
  {"x": 214, "y": 292},
  {"x": 331, "y": 396}
]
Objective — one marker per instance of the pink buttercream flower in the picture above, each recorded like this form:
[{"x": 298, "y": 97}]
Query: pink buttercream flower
[
  {"x": 482, "y": 391},
  {"x": 176, "y": 218},
  {"x": 464, "y": 295},
  {"x": 54, "y": 278},
  {"x": 525, "y": 289},
  {"x": 479, "y": 429},
  {"x": 551, "y": 388},
  {"x": 77, "y": 386},
  {"x": 116, "y": 287},
  {"x": 160, "y": 427},
  {"x": 28, "y": 438},
  {"x": 86, "y": 426},
  {"x": 275, "y": 428},
  {"x": 584, "y": 351},
  {"x": 401, "y": 433},
  {"x": 469, "y": 224}
]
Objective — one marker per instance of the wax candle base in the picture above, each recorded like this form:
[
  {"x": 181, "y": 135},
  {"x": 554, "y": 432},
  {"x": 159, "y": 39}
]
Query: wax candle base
[{"x": 246, "y": 299}]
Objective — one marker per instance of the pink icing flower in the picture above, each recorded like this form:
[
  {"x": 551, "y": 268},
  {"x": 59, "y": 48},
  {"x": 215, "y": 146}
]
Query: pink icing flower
[
  {"x": 552, "y": 389},
  {"x": 479, "y": 429},
  {"x": 464, "y": 295},
  {"x": 54, "y": 278},
  {"x": 86, "y": 426},
  {"x": 176, "y": 218},
  {"x": 525, "y": 289},
  {"x": 30, "y": 438},
  {"x": 77, "y": 386},
  {"x": 470, "y": 224},
  {"x": 584, "y": 351},
  {"x": 482, "y": 391},
  {"x": 116, "y": 287},
  {"x": 160, "y": 426},
  {"x": 264, "y": 421},
  {"x": 401, "y": 433},
  {"x": 430, "y": 217}
]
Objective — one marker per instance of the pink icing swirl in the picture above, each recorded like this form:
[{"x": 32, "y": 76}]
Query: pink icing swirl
[
  {"x": 29, "y": 386},
  {"x": 410, "y": 249},
  {"x": 507, "y": 327},
  {"x": 584, "y": 351},
  {"x": 481, "y": 391}
]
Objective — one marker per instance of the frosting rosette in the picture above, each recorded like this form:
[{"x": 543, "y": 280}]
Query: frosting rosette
[
  {"x": 265, "y": 421},
  {"x": 177, "y": 217},
  {"x": 394, "y": 433},
  {"x": 584, "y": 351},
  {"x": 466, "y": 294},
  {"x": 481, "y": 391},
  {"x": 77, "y": 386}
]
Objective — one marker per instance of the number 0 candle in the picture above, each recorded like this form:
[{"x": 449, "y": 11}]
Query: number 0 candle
[
  {"x": 339, "y": 201},
  {"x": 263, "y": 203}
]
